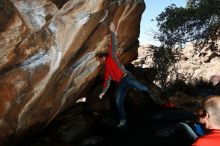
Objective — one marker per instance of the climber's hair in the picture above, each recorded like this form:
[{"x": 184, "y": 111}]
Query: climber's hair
[{"x": 101, "y": 54}]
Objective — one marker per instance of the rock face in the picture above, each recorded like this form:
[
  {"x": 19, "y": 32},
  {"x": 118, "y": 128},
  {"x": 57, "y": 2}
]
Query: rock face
[
  {"x": 47, "y": 55},
  {"x": 194, "y": 64}
]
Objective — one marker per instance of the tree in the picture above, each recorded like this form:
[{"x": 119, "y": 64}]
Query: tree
[
  {"x": 198, "y": 23},
  {"x": 163, "y": 58}
]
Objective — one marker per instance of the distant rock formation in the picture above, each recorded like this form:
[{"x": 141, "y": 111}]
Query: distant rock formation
[
  {"x": 194, "y": 64},
  {"x": 47, "y": 52}
]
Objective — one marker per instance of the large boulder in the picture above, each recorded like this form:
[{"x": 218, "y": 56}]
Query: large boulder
[{"x": 47, "y": 55}]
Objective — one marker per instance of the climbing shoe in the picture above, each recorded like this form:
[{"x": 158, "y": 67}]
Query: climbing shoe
[{"x": 121, "y": 124}]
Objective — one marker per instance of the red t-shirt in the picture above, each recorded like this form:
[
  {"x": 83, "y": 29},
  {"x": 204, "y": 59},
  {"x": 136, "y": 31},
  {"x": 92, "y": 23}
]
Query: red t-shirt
[
  {"x": 114, "y": 70},
  {"x": 212, "y": 138}
]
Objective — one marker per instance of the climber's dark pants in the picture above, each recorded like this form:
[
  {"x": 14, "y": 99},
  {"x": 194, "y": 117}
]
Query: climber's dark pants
[{"x": 127, "y": 82}]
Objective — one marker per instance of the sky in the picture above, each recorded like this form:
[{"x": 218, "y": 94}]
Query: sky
[{"x": 152, "y": 10}]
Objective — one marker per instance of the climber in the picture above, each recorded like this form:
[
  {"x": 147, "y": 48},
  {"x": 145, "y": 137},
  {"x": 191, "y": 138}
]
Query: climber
[{"x": 115, "y": 71}]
